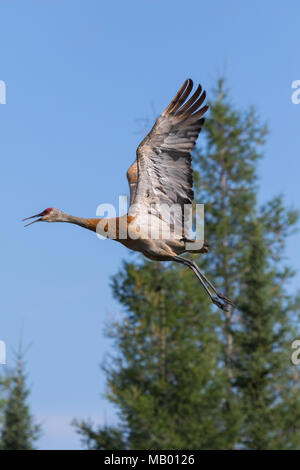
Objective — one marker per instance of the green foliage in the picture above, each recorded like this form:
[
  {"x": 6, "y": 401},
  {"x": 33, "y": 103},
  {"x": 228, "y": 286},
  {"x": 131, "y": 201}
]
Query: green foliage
[
  {"x": 170, "y": 369},
  {"x": 184, "y": 374},
  {"x": 3, "y": 387},
  {"x": 264, "y": 374},
  {"x": 104, "y": 438},
  {"x": 18, "y": 429}
]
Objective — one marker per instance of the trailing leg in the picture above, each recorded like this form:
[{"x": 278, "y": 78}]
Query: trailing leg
[
  {"x": 218, "y": 299},
  {"x": 218, "y": 293}
]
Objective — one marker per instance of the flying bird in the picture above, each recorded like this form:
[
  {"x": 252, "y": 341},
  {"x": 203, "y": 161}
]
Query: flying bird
[{"x": 160, "y": 177}]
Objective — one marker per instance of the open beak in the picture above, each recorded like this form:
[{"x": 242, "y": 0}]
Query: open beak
[{"x": 32, "y": 217}]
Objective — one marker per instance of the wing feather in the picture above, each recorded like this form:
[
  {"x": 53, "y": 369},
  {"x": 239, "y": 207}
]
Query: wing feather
[{"x": 162, "y": 174}]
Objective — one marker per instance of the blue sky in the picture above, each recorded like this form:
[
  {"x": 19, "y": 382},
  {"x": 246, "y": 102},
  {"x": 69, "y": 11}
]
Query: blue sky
[{"x": 78, "y": 75}]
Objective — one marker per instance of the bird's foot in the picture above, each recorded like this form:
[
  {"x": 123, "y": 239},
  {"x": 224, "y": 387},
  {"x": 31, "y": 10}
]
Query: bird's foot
[
  {"x": 225, "y": 299},
  {"x": 220, "y": 303}
]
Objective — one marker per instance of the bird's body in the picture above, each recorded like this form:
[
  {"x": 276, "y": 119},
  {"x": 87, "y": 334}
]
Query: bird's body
[{"x": 161, "y": 187}]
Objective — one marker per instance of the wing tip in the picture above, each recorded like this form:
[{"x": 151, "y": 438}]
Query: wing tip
[
  {"x": 181, "y": 106},
  {"x": 183, "y": 92}
]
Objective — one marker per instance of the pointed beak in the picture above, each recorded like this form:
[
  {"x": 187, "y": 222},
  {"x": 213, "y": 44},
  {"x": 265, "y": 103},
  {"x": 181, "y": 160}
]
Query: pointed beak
[{"x": 32, "y": 217}]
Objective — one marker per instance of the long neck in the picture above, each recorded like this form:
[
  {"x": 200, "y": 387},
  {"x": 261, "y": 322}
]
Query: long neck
[
  {"x": 90, "y": 224},
  {"x": 114, "y": 228}
]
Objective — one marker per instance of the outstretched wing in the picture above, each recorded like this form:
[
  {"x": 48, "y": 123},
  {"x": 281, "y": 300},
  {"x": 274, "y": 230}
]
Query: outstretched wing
[{"x": 163, "y": 175}]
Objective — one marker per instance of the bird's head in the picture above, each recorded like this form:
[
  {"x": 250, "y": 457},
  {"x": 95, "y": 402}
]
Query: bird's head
[{"x": 51, "y": 214}]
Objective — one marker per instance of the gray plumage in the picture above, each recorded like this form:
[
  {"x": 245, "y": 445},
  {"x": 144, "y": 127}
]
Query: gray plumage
[{"x": 163, "y": 165}]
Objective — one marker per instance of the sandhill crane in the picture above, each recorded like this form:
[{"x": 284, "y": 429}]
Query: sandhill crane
[{"x": 161, "y": 176}]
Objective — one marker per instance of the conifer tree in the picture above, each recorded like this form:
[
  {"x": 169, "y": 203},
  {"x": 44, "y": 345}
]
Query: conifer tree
[
  {"x": 166, "y": 381},
  {"x": 3, "y": 387},
  {"x": 264, "y": 375},
  {"x": 19, "y": 432},
  {"x": 177, "y": 377}
]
